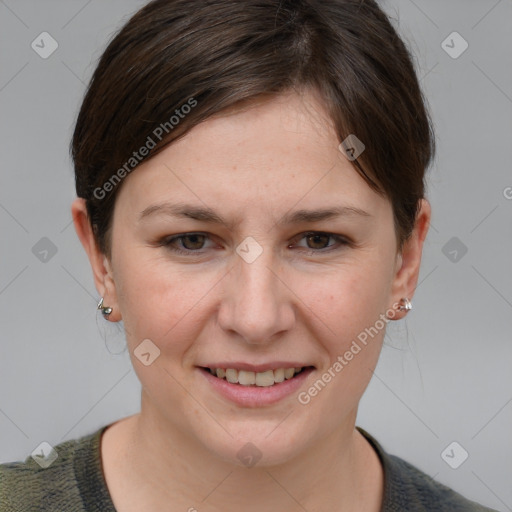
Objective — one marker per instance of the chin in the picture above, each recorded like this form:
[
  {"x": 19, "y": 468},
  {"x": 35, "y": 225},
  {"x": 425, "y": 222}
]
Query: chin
[{"x": 257, "y": 444}]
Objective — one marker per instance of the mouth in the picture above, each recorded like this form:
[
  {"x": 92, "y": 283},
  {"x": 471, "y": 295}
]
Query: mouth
[{"x": 264, "y": 379}]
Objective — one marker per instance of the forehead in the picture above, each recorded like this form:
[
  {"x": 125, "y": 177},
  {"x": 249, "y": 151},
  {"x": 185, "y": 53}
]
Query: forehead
[{"x": 264, "y": 157}]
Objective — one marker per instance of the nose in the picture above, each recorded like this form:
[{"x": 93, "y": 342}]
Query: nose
[{"x": 257, "y": 302}]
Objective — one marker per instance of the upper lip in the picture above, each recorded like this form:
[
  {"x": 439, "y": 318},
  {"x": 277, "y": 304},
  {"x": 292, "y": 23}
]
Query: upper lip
[{"x": 272, "y": 365}]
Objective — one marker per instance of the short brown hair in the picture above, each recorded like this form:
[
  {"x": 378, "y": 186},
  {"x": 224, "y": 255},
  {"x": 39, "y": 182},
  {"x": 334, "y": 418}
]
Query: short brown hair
[{"x": 218, "y": 53}]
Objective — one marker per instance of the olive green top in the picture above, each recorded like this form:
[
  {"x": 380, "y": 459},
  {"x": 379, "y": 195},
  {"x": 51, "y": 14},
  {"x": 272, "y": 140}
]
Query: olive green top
[{"x": 74, "y": 482}]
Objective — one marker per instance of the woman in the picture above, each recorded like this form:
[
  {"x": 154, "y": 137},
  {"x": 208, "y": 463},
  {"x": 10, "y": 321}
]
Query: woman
[{"x": 250, "y": 181}]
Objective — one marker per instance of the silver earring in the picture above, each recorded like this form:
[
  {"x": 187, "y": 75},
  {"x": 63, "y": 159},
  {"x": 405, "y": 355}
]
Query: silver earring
[
  {"x": 104, "y": 310},
  {"x": 406, "y": 304}
]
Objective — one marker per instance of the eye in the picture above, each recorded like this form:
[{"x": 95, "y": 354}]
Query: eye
[
  {"x": 189, "y": 242},
  {"x": 317, "y": 241}
]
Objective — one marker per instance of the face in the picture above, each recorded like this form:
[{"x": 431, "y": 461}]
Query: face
[{"x": 254, "y": 285}]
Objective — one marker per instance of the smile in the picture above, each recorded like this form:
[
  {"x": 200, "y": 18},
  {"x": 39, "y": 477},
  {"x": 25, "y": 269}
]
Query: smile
[
  {"x": 249, "y": 388},
  {"x": 249, "y": 378}
]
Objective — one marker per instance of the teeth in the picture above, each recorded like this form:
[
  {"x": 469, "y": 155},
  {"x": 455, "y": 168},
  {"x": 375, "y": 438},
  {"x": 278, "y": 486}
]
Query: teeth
[
  {"x": 262, "y": 379},
  {"x": 289, "y": 373},
  {"x": 232, "y": 375},
  {"x": 246, "y": 378},
  {"x": 279, "y": 375}
]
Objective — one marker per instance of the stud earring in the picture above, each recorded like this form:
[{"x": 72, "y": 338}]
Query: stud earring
[
  {"x": 406, "y": 304},
  {"x": 104, "y": 310}
]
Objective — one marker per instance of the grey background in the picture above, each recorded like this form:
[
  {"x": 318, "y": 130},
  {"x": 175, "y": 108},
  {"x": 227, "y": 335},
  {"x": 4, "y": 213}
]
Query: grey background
[{"x": 444, "y": 374}]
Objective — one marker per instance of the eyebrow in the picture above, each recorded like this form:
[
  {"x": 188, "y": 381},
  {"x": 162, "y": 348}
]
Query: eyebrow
[{"x": 206, "y": 214}]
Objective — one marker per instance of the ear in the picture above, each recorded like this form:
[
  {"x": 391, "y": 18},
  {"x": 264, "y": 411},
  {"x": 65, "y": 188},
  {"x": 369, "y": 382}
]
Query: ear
[
  {"x": 409, "y": 260},
  {"x": 101, "y": 266}
]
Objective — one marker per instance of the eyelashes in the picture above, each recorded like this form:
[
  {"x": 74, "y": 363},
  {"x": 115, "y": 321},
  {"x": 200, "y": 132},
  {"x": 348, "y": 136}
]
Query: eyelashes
[
  {"x": 178, "y": 244},
  {"x": 180, "y": 238}
]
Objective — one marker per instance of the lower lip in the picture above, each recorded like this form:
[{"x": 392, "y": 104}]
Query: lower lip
[{"x": 256, "y": 396}]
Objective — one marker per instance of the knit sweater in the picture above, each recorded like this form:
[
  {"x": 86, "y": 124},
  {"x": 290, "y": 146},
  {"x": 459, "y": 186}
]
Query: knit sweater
[{"x": 74, "y": 482}]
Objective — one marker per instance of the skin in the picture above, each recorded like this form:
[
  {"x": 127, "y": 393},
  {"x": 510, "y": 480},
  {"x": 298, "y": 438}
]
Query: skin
[{"x": 301, "y": 299}]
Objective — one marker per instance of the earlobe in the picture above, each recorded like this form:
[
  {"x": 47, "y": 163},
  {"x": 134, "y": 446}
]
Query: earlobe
[{"x": 99, "y": 263}]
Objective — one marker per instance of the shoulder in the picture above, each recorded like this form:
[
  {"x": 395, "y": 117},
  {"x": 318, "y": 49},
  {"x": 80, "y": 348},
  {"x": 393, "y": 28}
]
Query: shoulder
[
  {"x": 416, "y": 488},
  {"x": 408, "y": 488},
  {"x": 46, "y": 481}
]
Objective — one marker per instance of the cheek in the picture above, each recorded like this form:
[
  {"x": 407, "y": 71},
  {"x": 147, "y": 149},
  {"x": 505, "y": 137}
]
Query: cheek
[
  {"x": 162, "y": 305},
  {"x": 347, "y": 300},
  {"x": 166, "y": 304},
  {"x": 351, "y": 306}
]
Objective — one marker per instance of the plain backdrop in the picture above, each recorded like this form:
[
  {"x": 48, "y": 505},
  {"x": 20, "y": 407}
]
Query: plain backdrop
[{"x": 445, "y": 372}]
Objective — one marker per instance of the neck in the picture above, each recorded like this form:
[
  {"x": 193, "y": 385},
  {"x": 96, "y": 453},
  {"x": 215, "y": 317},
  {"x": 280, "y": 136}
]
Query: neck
[{"x": 339, "y": 472}]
